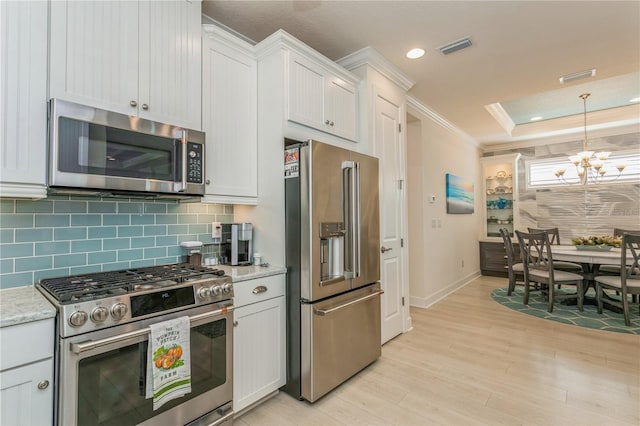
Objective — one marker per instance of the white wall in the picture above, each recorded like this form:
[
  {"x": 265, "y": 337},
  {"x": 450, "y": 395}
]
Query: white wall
[{"x": 445, "y": 257}]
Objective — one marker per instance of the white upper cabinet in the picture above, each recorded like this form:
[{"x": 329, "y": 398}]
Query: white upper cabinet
[
  {"x": 229, "y": 118},
  {"x": 23, "y": 99},
  {"x": 137, "y": 58},
  {"x": 321, "y": 99}
]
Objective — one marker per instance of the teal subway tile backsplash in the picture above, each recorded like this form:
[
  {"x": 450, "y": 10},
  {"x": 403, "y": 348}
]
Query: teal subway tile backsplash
[
  {"x": 16, "y": 221},
  {"x": 115, "y": 219},
  {"x": 133, "y": 254},
  {"x": 38, "y": 206},
  {"x": 70, "y": 207},
  {"x": 62, "y": 235},
  {"x": 6, "y": 266},
  {"x": 116, "y": 243},
  {"x": 144, "y": 242},
  {"x": 66, "y": 260},
  {"x": 8, "y": 251},
  {"x": 52, "y": 220},
  {"x": 6, "y": 236},
  {"x": 102, "y": 207},
  {"x": 102, "y": 232},
  {"x": 85, "y": 246},
  {"x": 33, "y": 234},
  {"x": 75, "y": 233},
  {"x": 86, "y": 220},
  {"x": 24, "y": 264},
  {"x": 130, "y": 231},
  {"x": 58, "y": 247}
]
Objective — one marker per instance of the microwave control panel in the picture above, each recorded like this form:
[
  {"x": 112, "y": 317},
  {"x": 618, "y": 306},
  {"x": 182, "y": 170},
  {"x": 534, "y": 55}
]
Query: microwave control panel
[{"x": 194, "y": 162}]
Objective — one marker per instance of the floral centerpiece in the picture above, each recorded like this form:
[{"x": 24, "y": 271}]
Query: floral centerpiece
[{"x": 601, "y": 242}]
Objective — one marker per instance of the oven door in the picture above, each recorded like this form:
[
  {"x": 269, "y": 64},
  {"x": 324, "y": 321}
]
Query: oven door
[
  {"x": 102, "y": 150},
  {"x": 102, "y": 375}
]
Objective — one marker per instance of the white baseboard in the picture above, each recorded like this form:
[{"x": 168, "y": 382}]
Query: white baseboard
[{"x": 425, "y": 302}]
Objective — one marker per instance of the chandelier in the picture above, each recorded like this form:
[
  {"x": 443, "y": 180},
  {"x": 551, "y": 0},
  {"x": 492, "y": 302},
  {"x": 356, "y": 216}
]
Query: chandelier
[{"x": 590, "y": 166}]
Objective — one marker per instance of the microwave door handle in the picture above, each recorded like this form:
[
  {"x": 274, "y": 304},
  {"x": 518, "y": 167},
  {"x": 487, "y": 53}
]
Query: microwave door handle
[{"x": 181, "y": 186}]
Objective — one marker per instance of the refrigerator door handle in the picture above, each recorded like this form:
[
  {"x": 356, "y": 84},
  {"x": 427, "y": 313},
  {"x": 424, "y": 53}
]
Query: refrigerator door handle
[
  {"x": 351, "y": 204},
  {"x": 323, "y": 312}
]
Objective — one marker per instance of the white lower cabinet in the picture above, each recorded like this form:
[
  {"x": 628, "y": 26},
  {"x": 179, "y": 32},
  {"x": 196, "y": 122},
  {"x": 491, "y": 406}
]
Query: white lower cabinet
[
  {"x": 259, "y": 354},
  {"x": 26, "y": 374}
]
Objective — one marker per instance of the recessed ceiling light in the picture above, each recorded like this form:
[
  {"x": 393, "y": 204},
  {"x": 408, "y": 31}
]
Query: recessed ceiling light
[
  {"x": 635, "y": 100},
  {"x": 536, "y": 118},
  {"x": 415, "y": 53}
]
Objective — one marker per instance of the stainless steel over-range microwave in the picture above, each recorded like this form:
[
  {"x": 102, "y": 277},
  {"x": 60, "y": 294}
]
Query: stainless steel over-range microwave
[{"x": 107, "y": 153}]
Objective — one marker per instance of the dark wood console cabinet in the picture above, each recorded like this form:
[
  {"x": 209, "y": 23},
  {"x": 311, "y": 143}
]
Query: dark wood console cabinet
[{"x": 492, "y": 258}]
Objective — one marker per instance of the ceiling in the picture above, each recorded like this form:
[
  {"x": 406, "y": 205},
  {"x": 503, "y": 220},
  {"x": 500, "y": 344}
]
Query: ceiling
[{"x": 511, "y": 72}]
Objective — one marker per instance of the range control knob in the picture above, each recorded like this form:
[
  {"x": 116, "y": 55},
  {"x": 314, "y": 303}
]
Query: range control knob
[
  {"x": 203, "y": 292},
  {"x": 215, "y": 290},
  {"x": 192, "y": 154},
  {"x": 227, "y": 287},
  {"x": 99, "y": 314},
  {"x": 78, "y": 318},
  {"x": 119, "y": 310}
]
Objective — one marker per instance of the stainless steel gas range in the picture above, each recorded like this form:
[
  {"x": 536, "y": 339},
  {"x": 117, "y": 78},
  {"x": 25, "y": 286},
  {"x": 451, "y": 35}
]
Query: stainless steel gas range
[{"x": 102, "y": 334}]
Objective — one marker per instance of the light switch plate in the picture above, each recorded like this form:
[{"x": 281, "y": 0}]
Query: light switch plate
[{"x": 216, "y": 230}]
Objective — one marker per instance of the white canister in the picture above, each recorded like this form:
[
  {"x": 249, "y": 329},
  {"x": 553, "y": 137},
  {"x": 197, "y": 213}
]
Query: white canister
[{"x": 257, "y": 259}]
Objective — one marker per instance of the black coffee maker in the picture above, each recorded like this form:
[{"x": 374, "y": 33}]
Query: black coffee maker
[{"x": 237, "y": 243}]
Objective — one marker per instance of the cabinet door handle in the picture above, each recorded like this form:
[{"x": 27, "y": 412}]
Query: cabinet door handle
[
  {"x": 43, "y": 385},
  {"x": 133, "y": 104},
  {"x": 260, "y": 289},
  {"x": 145, "y": 107}
]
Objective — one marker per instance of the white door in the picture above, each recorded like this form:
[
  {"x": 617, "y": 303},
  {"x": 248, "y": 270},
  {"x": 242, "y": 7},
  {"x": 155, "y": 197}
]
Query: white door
[{"x": 391, "y": 154}]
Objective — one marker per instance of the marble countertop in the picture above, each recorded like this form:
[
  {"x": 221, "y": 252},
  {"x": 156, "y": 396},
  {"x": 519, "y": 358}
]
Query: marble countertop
[
  {"x": 23, "y": 304},
  {"x": 244, "y": 273}
]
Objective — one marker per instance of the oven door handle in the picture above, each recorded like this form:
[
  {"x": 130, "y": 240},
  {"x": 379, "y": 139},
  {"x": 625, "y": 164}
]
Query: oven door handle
[{"x": 78, "y": 348}]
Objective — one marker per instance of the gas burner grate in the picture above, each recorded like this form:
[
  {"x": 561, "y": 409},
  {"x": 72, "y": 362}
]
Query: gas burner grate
[{"x": 103, "y": 284}]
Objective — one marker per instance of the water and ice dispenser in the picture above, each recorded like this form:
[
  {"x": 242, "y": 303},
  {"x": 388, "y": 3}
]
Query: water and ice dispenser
[{"x": 331, "y": 251}]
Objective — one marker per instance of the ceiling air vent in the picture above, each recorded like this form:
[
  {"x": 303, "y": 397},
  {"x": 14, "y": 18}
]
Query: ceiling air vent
[
  {"x": 455, "y": 46},
  {"x": 577, "y": 76}
]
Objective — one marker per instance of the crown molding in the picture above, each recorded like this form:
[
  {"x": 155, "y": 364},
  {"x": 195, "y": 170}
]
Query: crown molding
[
  {"x": 369, "y": 56},
  {"x": 500, "y": 115},
  {"x": 222, "y": 35},
  {"x": 440, "y": 120}
]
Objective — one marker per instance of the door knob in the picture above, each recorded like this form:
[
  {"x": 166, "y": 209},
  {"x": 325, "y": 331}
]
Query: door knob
[{"x": 383, "y": 249}]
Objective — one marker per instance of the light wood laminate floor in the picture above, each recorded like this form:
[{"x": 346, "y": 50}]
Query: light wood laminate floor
[{"x": 471, "y": 361}]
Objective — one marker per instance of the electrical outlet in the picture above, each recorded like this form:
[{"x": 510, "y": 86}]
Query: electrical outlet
[{"x": 216, "y": 230}]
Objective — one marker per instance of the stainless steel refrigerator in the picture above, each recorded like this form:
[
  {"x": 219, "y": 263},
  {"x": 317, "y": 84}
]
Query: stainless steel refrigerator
[{"x": 333, "y": 266}]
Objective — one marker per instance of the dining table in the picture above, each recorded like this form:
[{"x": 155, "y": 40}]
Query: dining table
[{"x": 591, "y": 260}]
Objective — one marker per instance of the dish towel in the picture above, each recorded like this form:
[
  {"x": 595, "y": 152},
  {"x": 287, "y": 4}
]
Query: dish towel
[{"x": 169, "y": 361}]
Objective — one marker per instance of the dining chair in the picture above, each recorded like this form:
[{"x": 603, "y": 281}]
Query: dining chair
[
  {"x": 627, "y": 282},
  {"x": 615, "y": 269},
  {"x": 539, "y": 267},
  {"x": 554, "y": 238},
  {"x": 515, "y": 269}
]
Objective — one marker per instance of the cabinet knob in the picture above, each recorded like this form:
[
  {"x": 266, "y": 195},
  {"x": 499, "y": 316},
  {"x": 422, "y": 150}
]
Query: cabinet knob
[
  {"x": 331, "y": 124},
  {"x": 133, "y": 104},
  {"x": 326, "y": 122},
  {"x": 145, "y": 107},
  {"x": 207, "y": 182},
  {"x": 43, "y": 384},
  {"x": 235, "y": 323}
]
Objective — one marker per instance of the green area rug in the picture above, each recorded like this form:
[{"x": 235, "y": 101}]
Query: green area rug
[{"x": 590, "y": 318}]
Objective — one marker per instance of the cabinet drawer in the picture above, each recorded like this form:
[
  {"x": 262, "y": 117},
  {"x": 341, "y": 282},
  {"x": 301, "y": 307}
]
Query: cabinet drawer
[
  {"x": 25, "y": 343},
  {"x": 252, "y": 291}
]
